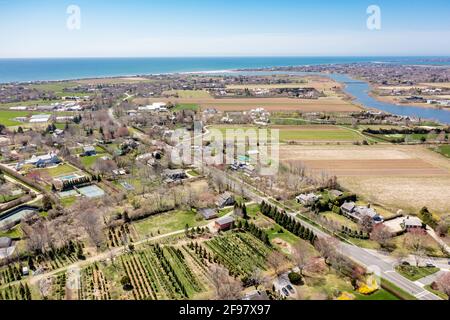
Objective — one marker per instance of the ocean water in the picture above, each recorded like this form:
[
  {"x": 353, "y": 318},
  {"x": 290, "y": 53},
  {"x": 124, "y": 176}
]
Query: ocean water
[{"x": 25, "y": 70}]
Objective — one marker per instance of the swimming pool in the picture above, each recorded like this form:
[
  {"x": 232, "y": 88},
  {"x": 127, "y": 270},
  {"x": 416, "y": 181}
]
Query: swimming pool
[{"x": 69, "y": 177}]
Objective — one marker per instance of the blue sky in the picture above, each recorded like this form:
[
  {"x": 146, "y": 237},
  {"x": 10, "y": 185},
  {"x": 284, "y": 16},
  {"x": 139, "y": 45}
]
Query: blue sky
[{"x": 37, "y": 28}]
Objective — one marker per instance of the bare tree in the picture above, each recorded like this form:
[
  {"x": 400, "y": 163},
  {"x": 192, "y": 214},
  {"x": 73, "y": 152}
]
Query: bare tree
[
  {"x": 416, "y": 241},
  {"x": 226, "y": 287},
  {"x": 277, "y": 261},
  {"x": 257, "y": 278},
  {"x": 91, "y": 222},
  {"x": 366, "y": 224},
  {"x": 381, "y": 235},
  {"x": 327, "y": 247},
  {"x": 443, "y": 283},
  {"x": 300, "y": 255}
]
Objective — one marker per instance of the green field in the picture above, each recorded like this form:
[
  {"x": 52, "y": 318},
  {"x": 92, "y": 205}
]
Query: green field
[
  {"x": 58, "y": 88},
  {"x": 7, "y": 117},
  {"x": 88, "y": 162},
  {"x": 60, "y": 170},
  {"x": 302, "y": 133},
  {"x": 167, "y": 222},
  {"x": 189, "y": 94},
  {"x": 415, "y": 273},
  {"x": 186, "y": 106},
  {"x": 444, "y": 150}
]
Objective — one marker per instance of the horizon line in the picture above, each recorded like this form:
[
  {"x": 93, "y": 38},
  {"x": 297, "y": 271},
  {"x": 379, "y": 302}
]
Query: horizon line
[{"x": 229, "y": 56}]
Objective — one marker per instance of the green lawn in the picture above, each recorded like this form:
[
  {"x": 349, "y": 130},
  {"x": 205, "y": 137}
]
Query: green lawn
[
  {"x": 186, "y": 106},
  {"x": 88, "y": 162},
  {"x": 7, "y": 117},
  {"x": 343, "y": 221},
  {"x": 167, "y": 222},
  {"x": 438, "y": 293},
  {"x": 68, "y": 201},
  {"x": 444, "y": 150},
  {"x": 415, "y": 273},
  {"x": 60, "y": 170}
]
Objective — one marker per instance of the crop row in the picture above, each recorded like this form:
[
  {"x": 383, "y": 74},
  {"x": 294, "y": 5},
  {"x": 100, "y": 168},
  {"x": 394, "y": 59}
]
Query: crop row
[{"x": 239, "y": 252}]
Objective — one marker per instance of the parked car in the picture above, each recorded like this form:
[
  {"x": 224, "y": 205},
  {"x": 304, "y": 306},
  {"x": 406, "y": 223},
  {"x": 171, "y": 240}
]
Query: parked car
[
  {"x": 430, "y": 265},
  {"x": 285, "y": 292},
  {"x": 405, "y": 263},
  {"x": 291, "y": 290}
]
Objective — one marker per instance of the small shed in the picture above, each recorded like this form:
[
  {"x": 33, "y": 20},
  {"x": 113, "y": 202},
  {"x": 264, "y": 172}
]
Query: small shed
[
  {"x": 225, "y": 223},
  {"x": 208, "y": 213}
]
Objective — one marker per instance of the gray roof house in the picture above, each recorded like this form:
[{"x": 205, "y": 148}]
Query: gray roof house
[
  {"x": 225, "y": 199},
  {"x": 412, "y": 223},
  {"x": 357, "y": 213},
  {"x": 307, "y": 199},
  {"x": 208, "y": 213},
  {"x": 348, "y": 207}
]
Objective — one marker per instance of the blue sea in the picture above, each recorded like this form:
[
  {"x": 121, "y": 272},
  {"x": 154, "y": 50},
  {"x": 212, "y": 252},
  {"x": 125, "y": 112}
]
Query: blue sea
[{"x": 25, "y": 70}]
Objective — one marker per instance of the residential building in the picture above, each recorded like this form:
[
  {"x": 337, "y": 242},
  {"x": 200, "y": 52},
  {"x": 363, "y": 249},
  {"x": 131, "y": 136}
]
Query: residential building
[
  {"x": 357, "y": 213},
  {"x": 44, "y": 161},
  {"x": 89, "y": 151},
  {"x": 413, "y": 223},
  {"x": 308, "y": 199}
]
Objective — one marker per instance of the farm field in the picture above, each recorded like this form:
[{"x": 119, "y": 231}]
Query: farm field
[
  {"x": 189, "y": 94},
  {"x": 153, "y": 273},
  {"x": 327, "y": 104},
  {"x": 397, "y": 177},
  {"x": 305, "y": 133},
  {"x": 189, "y": 106},
  {"x": 167, "y": 222},
  {"x": 239, "y": 252}
]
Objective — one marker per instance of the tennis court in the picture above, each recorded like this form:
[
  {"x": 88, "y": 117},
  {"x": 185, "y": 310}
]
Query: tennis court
[{"x": 91, "y": 191}]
